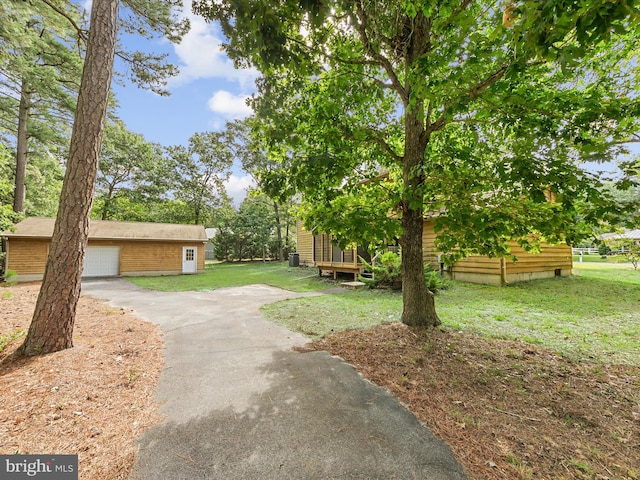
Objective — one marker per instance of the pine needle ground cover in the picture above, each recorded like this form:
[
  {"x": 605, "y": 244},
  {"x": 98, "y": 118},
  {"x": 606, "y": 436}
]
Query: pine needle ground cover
[{"x": 94, "y": 400}]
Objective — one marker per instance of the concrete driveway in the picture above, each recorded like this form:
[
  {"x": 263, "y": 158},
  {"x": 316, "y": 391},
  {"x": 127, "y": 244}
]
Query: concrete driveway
[{"x": 240, "y": 404}]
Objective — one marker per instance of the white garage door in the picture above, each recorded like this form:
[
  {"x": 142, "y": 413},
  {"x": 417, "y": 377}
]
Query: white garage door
[{"x": 102, "y": 262}]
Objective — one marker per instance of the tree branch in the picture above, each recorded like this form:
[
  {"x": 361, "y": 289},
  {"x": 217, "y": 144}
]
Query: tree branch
[
  {"x": 381, "y": 84},
  {"x": 475, "y": 92},
  {"x": 635, "y": 138},
  {"x": 81, "y": 33},
  {"x": 383, "y": 61},
  {"x": 491, "y": 79},
  {"x": 375, "y": 137},
  {"x": 463, "y": 6}
]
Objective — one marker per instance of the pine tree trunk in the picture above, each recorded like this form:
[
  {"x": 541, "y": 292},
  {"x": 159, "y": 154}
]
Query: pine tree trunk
[
  {"x": 54, "y": 317},
  {"x": 21, "y": 148}
]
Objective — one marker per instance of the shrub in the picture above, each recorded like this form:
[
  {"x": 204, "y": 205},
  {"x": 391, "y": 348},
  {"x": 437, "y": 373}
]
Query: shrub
[
  {"x": 604, "y": 250},
  {"x": 435, "y": 281},
  {"x": 389, "y": 274},
  {"x": 10, "y": 277}
]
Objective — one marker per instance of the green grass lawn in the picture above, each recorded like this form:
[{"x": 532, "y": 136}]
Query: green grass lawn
[
  {"x": 589, "y": 258},
  {"x": 598, "y": 259},
  {"x": 593, "y": 315},
  {"x": 219, "y": 275}
]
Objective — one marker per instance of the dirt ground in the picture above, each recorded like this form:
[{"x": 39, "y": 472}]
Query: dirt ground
[
  {"x": 508, "y": 410},
  {"x": 93, "y": 400}
]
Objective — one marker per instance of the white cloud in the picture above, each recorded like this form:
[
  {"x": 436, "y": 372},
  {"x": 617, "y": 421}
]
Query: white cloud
[
  {"x": 200, "y": 55},
  {"x": 237, "y": 187},
  {"x": 229, "y": 105}
]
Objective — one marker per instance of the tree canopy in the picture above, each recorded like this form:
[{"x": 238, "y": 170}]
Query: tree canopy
[
  {"x": 130, "y": 168},
  {"x": 382, "y": 113},
  {"x": 40, "y": 73},
  {"x": 249, "y": 146},
  {"x": 42, "y": 45},
  {"x": 7, "y": 216},
  {"x": 201, "y": 169}
]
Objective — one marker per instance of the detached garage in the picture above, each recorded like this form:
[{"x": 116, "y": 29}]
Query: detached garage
[{"x": 114, "y": 248}]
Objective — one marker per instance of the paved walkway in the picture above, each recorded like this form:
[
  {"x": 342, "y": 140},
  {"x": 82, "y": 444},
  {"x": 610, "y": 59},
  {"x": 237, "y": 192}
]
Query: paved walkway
[{"x": 240, "y": 404}]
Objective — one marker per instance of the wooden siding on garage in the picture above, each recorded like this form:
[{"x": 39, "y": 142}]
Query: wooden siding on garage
[
  {"x": 140, "y": 257},
  {"x": 142, "y": 248},
  {"x": 304, "y": 244},
  {"x": 27, "y": 256}
]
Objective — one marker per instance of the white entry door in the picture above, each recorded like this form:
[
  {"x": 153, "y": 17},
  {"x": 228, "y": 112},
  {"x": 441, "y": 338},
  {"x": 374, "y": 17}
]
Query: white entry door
[
  {"x": 101, "y": 262},
  {"x": 189, "y": 260}
]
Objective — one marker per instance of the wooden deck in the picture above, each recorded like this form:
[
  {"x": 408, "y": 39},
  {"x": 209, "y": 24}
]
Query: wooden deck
[{"x": 342, "y": 267}]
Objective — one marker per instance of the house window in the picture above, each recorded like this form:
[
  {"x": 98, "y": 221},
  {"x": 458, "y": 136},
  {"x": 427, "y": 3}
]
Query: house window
[{"x": 190, "y": 255}]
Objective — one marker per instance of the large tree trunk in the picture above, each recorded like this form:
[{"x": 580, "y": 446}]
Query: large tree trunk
[
  {"x": 418, "y": 304},
  {"x": 21, "y": 148},
  {"x": 419, "y": 308},
  {"x": 54, "y": 317}
]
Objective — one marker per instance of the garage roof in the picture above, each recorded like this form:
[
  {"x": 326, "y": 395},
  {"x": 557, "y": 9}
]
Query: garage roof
[
  {"x": 628, "y": 234},
  {"x": 37, "y": 227}
]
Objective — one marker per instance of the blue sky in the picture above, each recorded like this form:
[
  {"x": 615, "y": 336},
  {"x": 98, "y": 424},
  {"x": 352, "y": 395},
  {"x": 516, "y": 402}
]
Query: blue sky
[{"x": 207, "y": 92}]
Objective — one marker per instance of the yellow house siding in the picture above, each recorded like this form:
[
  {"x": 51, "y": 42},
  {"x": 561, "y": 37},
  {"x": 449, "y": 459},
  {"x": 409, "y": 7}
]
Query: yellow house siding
[
  {"x": 474, "y": 264},
  {"x": 478, "y": 264},
  {"x": 551, "y": 258},
  {"x": 304, "y": 244},
  {"x": 496, "y": 271},
  {"x": 429, "y": 253},
  {"x": 476, "y": 269},
  {"x": 27, "y": 256}
]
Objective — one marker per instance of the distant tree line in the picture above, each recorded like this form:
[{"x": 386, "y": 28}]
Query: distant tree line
[{"x": 251, "y": 232}]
